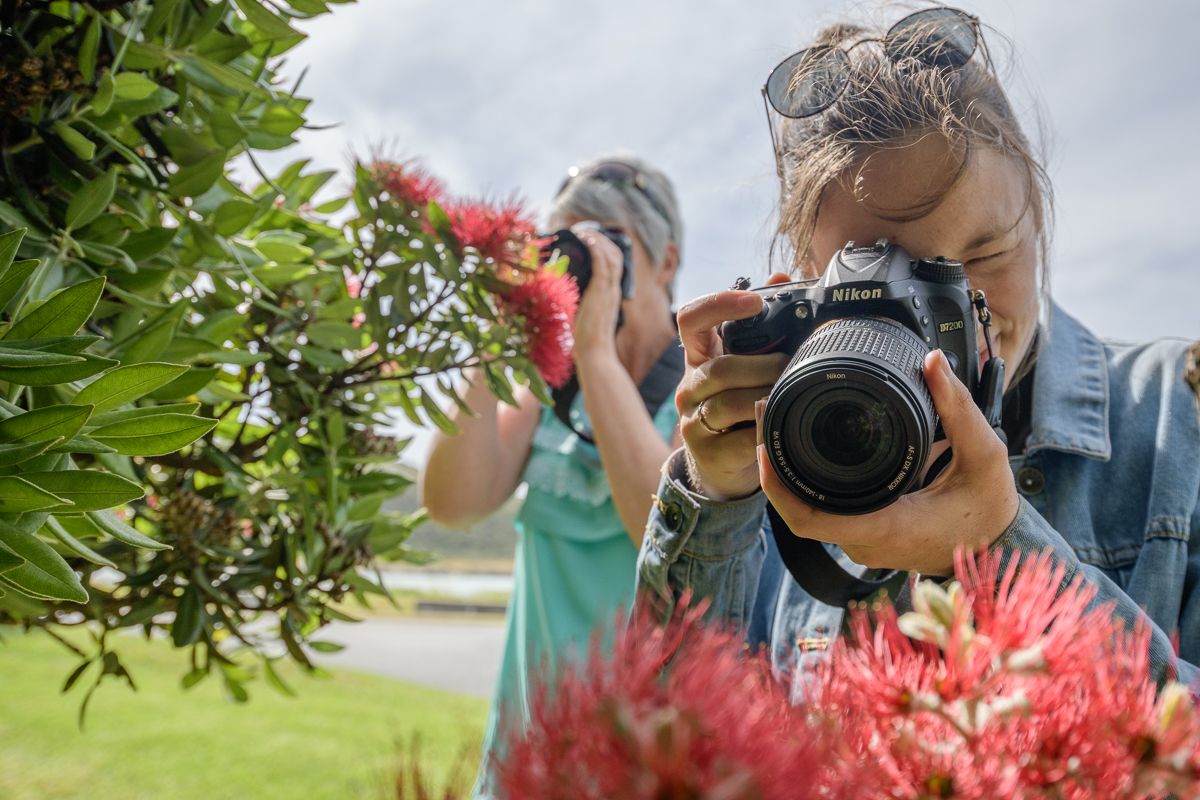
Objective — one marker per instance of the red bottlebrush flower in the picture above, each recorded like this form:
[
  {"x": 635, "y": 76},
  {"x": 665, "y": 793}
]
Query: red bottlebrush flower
[
  {"x": 719, "y": 726},
  {"x": 546, "y": 302},
  {"x": 496, "y": 230},
  {"x": 1013, "y": 689},
  {"x": 407, "y": 183},
  {"x": 1000, "y": 685}
]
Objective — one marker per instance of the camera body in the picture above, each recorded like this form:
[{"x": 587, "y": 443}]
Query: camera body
[
  {"x": 850, "y": 423},
  {"x": 564, "y": 243}
]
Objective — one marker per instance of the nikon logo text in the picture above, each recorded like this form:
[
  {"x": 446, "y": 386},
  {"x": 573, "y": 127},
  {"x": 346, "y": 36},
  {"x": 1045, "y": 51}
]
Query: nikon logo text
[{"x": 842, "y": 295}]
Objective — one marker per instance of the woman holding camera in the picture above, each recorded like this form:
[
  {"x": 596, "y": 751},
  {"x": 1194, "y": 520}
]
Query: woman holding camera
[
  {"x": 906, "y": 136},
  {"x": 584, "y": 512}
]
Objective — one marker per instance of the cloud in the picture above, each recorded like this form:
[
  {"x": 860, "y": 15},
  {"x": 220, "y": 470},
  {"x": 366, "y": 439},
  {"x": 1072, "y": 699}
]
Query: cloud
[{"x": 503, "y": 97}]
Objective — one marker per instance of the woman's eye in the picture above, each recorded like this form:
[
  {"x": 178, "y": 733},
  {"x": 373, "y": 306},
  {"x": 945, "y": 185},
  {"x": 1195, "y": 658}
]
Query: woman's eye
[{"x": 976, "y": 262}]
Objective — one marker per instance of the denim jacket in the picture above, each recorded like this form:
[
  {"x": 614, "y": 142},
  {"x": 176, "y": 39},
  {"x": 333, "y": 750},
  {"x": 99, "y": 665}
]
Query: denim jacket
[{"x": 1109, "y": 481}]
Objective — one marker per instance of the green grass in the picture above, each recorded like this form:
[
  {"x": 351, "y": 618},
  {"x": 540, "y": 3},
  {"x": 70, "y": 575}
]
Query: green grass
[{"x": 340, "y": 738}]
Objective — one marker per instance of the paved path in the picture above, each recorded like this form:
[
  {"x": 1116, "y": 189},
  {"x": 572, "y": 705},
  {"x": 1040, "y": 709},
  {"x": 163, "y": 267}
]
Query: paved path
[{"x": 457, "y": 655}]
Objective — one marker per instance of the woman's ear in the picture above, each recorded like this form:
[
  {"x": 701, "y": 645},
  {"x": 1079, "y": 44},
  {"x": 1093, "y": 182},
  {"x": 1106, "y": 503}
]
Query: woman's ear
[{"x": 668, "y": 266}]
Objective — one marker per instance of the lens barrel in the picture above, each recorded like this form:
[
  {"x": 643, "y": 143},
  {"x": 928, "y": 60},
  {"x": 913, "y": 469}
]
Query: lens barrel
[{"x": 850, "y": 423}]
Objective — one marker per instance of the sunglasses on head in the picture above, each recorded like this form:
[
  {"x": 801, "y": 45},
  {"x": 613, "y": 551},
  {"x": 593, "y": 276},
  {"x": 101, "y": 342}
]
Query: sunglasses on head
[
  {"x": 811, "y": 80},
  {"x": 619, "y": 174}
]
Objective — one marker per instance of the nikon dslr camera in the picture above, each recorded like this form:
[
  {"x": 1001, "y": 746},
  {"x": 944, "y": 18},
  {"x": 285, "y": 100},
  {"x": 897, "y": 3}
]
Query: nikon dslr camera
[{"x": 850, "y": 423}]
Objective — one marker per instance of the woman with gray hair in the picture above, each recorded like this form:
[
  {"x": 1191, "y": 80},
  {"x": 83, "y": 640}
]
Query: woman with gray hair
[{"x": 586, "y": 504}]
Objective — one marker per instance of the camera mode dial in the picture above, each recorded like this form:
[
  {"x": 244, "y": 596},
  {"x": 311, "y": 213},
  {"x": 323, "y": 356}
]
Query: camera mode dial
[{"x": 940, "y": 270}]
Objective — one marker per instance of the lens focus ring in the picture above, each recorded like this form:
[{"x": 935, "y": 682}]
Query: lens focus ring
[{"x": 875, "y": 337}]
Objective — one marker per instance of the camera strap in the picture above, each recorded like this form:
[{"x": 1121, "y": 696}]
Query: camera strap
[
  {"x": 819, "y": 573},
  {"x": 658, "y": 385}
]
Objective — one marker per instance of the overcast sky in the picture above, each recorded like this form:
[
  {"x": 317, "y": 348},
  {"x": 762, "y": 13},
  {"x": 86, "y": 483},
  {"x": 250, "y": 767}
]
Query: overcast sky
[{"x": 502, "y": 97}]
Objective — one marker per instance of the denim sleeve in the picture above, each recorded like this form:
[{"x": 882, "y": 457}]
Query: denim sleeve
[
  {"x": 1030, "y": 533},
  {"x": 715, "y": 549}
]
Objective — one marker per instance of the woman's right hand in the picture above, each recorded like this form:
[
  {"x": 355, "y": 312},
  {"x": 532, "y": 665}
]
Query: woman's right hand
[{"x": 718, "y": 392}]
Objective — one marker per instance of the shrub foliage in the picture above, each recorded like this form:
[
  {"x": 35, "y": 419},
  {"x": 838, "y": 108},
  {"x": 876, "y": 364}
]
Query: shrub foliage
[{"x": 192, "y": 372}]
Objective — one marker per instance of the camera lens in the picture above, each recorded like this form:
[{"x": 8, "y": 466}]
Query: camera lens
[
  {"x": 850, "y": 432},
  {"x": 850, "y": 423}
]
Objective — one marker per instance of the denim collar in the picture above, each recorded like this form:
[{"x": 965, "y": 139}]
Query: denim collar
[{"x": 1070, "y": 391}]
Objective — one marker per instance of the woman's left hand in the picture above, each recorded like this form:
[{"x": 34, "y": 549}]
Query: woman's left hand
[
  {"x": 596, "y": 318},
  {"x": 971, "y": 503}
]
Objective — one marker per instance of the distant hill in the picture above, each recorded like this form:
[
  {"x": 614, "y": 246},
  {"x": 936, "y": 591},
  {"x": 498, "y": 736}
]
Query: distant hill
[{"x": 491, "y": 539}]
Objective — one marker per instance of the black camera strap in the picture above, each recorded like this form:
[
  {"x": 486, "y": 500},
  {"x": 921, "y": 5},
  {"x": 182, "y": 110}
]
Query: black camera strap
[{"x": 659, "y": 384}]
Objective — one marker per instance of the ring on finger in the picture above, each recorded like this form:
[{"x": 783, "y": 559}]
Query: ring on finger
[{"x": 702, "y": 416}]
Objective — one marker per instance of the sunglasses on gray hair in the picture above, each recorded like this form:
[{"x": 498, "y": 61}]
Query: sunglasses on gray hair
[
  {"x": 811, "y": 80},
  {"x": 622, "y": 175}
]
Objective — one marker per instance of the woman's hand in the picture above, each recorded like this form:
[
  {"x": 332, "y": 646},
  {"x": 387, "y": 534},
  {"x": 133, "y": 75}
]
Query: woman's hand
[
  {"x": 596, "y": 319},
  {"x": 971, "y": 503},
  {"x": 718, "y": 392}
]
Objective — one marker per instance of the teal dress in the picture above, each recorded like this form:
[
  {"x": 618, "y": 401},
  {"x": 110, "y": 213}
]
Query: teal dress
[{"x": 574, "y": 567}]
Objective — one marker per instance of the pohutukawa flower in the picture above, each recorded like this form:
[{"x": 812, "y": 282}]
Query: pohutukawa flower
[
  {"x": 1007, "y": 685},
  {"x": 718, "y": 727},
  {"x": 498, "y": 230},
  {"x": 407, "y": 183},
  {"x": 546, "y": 302}
]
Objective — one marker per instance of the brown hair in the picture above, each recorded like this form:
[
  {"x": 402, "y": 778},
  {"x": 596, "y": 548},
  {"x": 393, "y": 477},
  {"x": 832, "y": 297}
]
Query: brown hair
[{"x": 889, "y": 104}]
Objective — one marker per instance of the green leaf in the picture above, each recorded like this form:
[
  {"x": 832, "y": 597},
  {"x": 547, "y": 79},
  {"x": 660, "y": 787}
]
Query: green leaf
[
  {"x": 152, "y": 338},
  {"x": 154, "y": 436},
  {"x": 13, "y": 357},
  {"x": 79, "y": 144},
  {"x": 14, "y": 278},
  {"x": 220, "y": 326},
  {"x": 186, "y": 384},
  {"x": 283, "y": 246},
  {"x": 148, "y": 243},
  {"x": 335, "y": 335},
  {"x": 45, "y": 574},
  {"x": 327, "y": 647},
  {"x": 270, "y": 25},
  {"x": 242, "y": 358},
  {"x": 86, "y": 367},
  {"x": 76, "y": 674},
  {"x": 45, "y": 423},
  {"x": 134, "y": 86},
  {"x": 124, "y": 414},
  {"x": 192, "y": 678},
  {"x": 189, "y": 618},
  {"x": 436, "y": 415},
  {"x": 9, "y": 242},
  {"x": 279, "y": 120},
  {"x": 87, "y": 489},
  {"x": 275, "y": 680},
  {"x": 198, "y": 178},
  {"x": 11, "y": 454},
  {"x": 69, "y": 345},
  {"x": 222, "y": 47},
  {"x": 63, "y": 313},
  {"x": 219, "y": 78},
  {"x": 82, "y": 444},
  {"x": 122, "y": 531},
  {"x": 233, "y": 216},
  {"x": 126, "y": 384},
  {"x": 105, "y": 92},
  {"x": 88, "y": 50},
  {"x": 64, "y": 537},
  {"x": 226, "y": 127},
  {"x": 18, "y": 495},
  {"x": 87, "y": 203}
]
